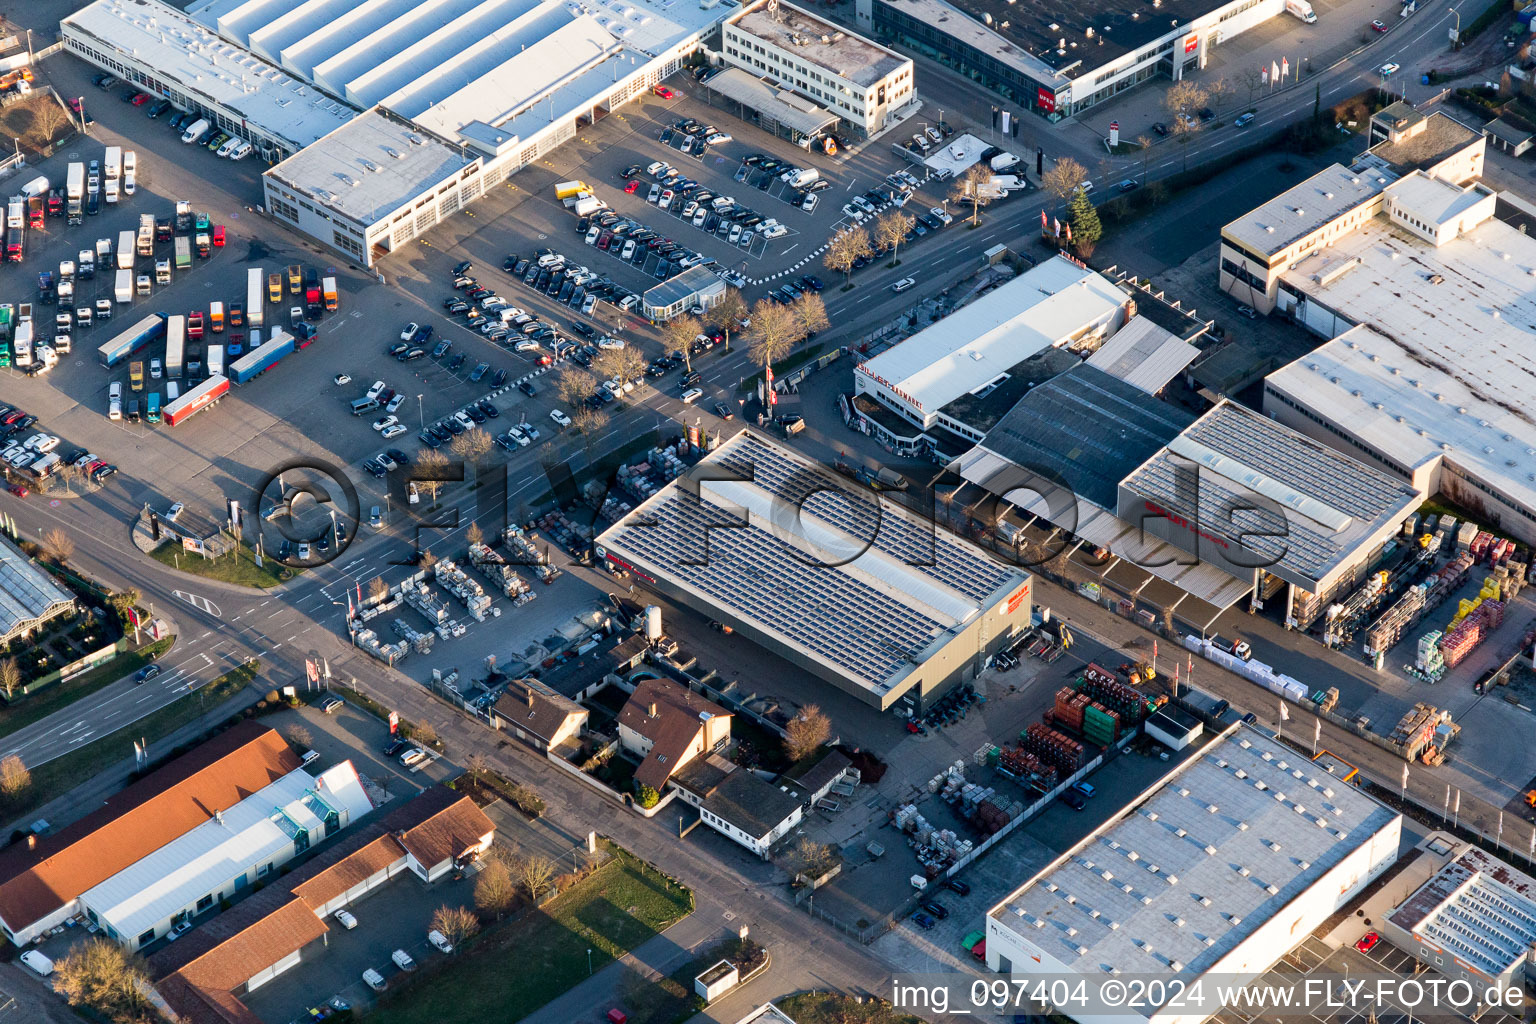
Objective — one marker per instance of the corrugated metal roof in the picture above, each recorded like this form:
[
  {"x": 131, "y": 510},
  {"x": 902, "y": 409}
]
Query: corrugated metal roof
[
  {"x": 1144, "y": 355},
  {"x": 785, "y": 107},
  {"x": 27, "y": 593}
]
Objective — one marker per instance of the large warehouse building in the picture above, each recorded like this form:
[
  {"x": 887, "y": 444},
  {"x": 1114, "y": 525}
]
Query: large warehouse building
[
  {"x": 1235, "y": 857},
  {"x": 460, "y": 94},
  {"x": 1055, "y": 58},
  {"x": 849, "y": 587},
  {"x": 1425, "y": 297}
]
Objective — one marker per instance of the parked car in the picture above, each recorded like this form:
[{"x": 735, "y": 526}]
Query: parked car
[{"x": 345, "y": 919}]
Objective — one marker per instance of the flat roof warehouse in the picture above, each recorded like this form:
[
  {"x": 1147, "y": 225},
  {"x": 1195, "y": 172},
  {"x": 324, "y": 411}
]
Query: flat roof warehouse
[
  {"x": 821, "y": 43},
  {"x": 209, "y": 69}
]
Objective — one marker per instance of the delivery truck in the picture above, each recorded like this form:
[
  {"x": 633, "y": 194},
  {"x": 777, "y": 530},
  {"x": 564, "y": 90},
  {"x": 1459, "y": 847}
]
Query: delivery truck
[
  {"x": 1301, "y": 9},
  {"x": 37, "y": 210},
  {"x": 259, "y": 360},
  {"x": 125, "y": 250},
  {"x": 183, "y": 216},
  {"x": 123, "y": 290},
  {"x": 21, "y": 345},
  {"x": 74, "y": 193},
  {"x": 175, "y": 343},
  {"x": 183, "y": 253},
  {"x": 567, "y": 189},
  {"x": 216, "y": 317},
  {"x": 86, "y": 259},
  {"x": 253, "y": 308},
  {"x": 136, "y": 375},
  {"x": 295, "y": 279},
  {"x": 113, "y": 164},
  {"x": 196, "y": 400},
  {"x": 204, "y": 246},
  {"x": 146, "y": 237},
  {"x": 162, "y": 272},
  {"x": 275, "y": 288},
  {"x": 328, "y": 287},
  {"x": 215, "y": 360}
]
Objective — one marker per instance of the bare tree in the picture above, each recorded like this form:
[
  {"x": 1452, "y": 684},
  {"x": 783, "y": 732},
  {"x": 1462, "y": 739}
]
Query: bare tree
[
  {"x": 423, "y": 733},
  {"x": 68, "y": 473},
  {"x": 472, "y": 445},
  {"x": 727, "y": 313},
  {"x": 589, "y": 425},
  {"x": 574, "y": 385},
  {"x": 378, "y": 590},
  {"x": 477, "y": 764},
  {"x": 813, "y": 859},
  {"x": 810, "y": 314},
  {"x": 972, "y": 188},
  {"x": 300, "y": 736},
  {"x": 678, "y": 333},
  {"x": 626, "y": 364},
  {"x": 10, "y": 677},
  {"x": 1064, "y": 179},
  {"x": 533, "y": 872},
  {"x": 50, "y": 116},
  {"x": 474, "y": 535},
  {"x": 432, "y": 470},
  {"x": 1251, "y": 79},
  {"x": 14, "y": 777},
  {"x": 428, "y": 559},
  {"x": 494, "y": 889},
  {"x": 845, "y": 249},
  {"x": 891, "y": 229},
  {"x": 455, "y": 923},
  {"x": 101, "y": 975},
  {"x": 773, "y": 332},
  {"x": 1184, "y": 100},
  {"x": 807, "y": 731},
  {"x": 59, "y": 545}
]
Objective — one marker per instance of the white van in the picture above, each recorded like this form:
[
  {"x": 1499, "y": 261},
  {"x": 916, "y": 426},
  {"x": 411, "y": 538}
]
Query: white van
[
  {"x": 172, "y": 391},
  {"x": 196, "y": 130},
  {"x": 115, "y": 401},
  {"x": 39, "y": 963},
  {"x": 375, "y": 980},
  {"x": 36, "y": 187}
]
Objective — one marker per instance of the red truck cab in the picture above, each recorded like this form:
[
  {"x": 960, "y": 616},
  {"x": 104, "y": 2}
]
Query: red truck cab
[{"x": 195, "y": 324}]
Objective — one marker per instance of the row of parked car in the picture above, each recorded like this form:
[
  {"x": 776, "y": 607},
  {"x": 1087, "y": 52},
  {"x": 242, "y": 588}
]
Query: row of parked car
[
  {"x": 714, "y": 214},
  {"x": 41, "y": 454},
  {"x": 193, "y": 127}
]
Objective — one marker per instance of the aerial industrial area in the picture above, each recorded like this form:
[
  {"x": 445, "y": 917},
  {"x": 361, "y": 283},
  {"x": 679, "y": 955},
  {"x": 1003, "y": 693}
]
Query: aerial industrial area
[{"x": 930, "y": 510}]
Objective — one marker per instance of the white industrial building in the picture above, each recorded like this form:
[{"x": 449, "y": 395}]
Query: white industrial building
[
  {"x": 849, "y": 587},
  {"x": 860, "y": 81},
  {"x": 1473, "y": 920},
  {"x": 168, "y": 53},
  {"x": 1428, "y": 374},
  {"x": 1220, "y": 869},
  {"x": 222, "y": 857},
  {"x": 1059, "y": 303},
  {"x": 461, "y": 94}
]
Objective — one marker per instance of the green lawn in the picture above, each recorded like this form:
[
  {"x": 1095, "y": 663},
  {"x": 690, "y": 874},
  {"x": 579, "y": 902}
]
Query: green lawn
[
  {"x": 514, "y": 968},
  {"x": 61, "y": 694},
  {"x": 239, "y": 566},
  {"x": 56, "y": 777}
]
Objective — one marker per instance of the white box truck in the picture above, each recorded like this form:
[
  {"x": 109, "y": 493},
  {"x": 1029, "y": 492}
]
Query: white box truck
[
  {"x": 125, "y": 244},
  {"x": 253, "y": 297},
  {"x": 124, "y": 288},
  {"x": 113, "y": 164},
  {"x": 1301, "y": 9}
]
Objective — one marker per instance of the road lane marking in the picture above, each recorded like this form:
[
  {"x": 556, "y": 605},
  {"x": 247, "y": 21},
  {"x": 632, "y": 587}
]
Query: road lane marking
[{"x": 200, "y": 603}]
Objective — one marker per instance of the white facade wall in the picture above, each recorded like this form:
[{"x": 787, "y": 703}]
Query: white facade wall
[
  {"x": 868, "y": 108},
  {"x": 32, "y": 931},
  {"x": 261, "y": 977},
  {"x": 1257, "y": 953},
  {"x": 759, "y": 845}
]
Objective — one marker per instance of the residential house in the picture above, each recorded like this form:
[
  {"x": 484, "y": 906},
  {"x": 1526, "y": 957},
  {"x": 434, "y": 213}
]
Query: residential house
[
  {"x": 538, "y": 716},
  {"x": 668, "y": 725}
]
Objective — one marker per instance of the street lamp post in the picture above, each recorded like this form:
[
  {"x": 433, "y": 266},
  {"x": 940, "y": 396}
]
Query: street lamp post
[
  {"x": 421, "y": 413},
  {"x": 1456, "y": 38},
  {"x": 589, "y": 963}
]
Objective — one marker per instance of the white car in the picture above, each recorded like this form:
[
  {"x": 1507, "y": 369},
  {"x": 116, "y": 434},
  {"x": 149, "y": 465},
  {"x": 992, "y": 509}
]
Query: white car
[
  {"x": 385, "y": 422},
  {"x": 45, "y": 443},
  {"x": 342, "y": 378},
  {"x": 155, "y": 369},
  {"x": 377, "y": 389},
  {"x": 526, "y": 345},
  {"x": 608, "y": 341},
  {"x": 439, "y": 941},
  {"x": 692, "y": 395},
  {"x": 463, "y": 420},
  {"x": 393, "y": 431},
  {"x": 520, "y": 438},
  {"x": 241, "y": 151},
  {"x": 1387, "y": 70},
  {"x": 345, "y": 919},
  {"x": 408, "y": 332},
  {"x": 717, "y": 138},
  {"x": 560, "y": 418},
  {"x": 942, "y": 214}
]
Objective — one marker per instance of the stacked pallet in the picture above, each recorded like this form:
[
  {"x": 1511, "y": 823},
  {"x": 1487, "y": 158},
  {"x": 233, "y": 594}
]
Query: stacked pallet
[
  {"x": 1053, "y": 748},
  {"x": 1386, "y": 631},
  {"x": 1459, "y": 642},
  {"x": 1069, "y": 707},
  {"x": 1113, "y": 695},
  {"x": 1100, "y": 725},
  {"x": 988, "y": 818},
  {"x": 1027, "y": 768}
]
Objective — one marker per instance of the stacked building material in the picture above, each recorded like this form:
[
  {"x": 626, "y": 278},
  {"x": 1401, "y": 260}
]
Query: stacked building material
[
  {"x": 369, "y": 641},
  {"x": 1069, "y": 707},
  {"x": 502, "y": 576},
  {"x": 525, "y": 552},
  {"x": 1459, "y": 642},
  {"x": 1053, "y": 747},
  {"x": 1416, "y": 729},
  {"x": 1020, "y": 764},
  {"x": 419, "y": 596},
  {"x": 1396, "y": 620},
  {"x": 988, "y": 817},
  {"x": 421, "y": 642},
  {"x": 457, "y": 582},
  {"x": 1112, "y": 695},
  {"x": 1466, "y": 535},
  {"x": 1100, "y": 725}
]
